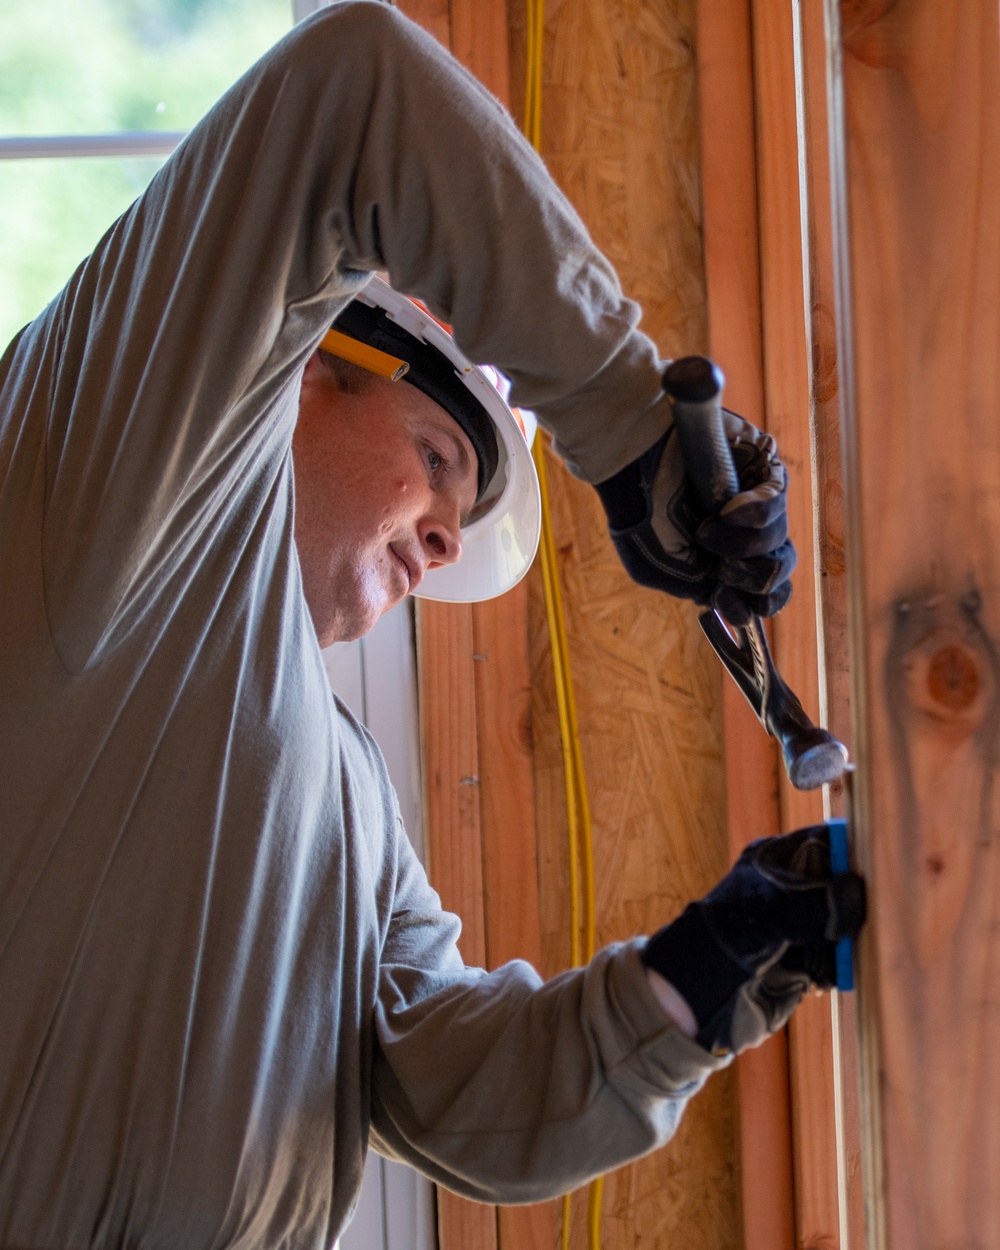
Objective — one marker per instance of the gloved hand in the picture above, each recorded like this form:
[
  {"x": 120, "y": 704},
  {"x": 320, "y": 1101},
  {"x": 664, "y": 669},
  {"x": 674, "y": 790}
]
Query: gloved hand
[
  {"x": 745, "y": 954},
  {"x": 739, "y": 560}
]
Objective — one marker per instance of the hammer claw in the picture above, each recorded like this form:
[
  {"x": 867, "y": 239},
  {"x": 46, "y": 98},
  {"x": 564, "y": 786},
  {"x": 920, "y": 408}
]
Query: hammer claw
[{"x": 812, "y": 756}]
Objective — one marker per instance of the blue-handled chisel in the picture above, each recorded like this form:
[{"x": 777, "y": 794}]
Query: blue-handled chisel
[{"x": 840, "y": 863}]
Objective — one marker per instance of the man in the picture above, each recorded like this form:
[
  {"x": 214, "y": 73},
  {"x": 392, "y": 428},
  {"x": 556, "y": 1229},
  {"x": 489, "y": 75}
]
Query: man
[
  {"x": 222, "y": 971},
  {"x": 453, "y": 468}
]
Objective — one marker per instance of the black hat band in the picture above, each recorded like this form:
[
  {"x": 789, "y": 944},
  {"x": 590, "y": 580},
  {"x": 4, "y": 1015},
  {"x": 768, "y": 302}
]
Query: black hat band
[{"x": 433, "y": 373}]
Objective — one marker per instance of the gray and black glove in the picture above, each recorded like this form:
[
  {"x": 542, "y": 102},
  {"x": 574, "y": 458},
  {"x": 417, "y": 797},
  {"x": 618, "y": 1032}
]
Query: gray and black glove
[
  {"x": 739, "y": 560},
  {"x": 745, "y": 954}
]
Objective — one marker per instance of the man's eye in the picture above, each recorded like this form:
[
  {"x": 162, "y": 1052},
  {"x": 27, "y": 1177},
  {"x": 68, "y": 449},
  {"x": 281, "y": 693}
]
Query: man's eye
[{"x": 434, "y": 460}]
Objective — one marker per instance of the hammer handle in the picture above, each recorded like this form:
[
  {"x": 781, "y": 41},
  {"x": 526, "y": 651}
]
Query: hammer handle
[{"x": 694, "y": 387}]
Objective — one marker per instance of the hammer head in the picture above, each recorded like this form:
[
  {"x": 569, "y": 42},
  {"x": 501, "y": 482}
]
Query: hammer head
[{"x": 812, "y": 756}]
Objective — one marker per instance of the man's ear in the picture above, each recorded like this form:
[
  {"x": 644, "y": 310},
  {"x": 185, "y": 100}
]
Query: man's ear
[
  {"x": 314, "y": 366},
  {"x": 314, "y": 388},
  {"x": 316, "y": 377}
]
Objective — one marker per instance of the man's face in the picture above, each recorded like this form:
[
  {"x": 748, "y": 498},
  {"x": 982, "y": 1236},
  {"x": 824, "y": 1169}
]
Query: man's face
[{"x": 383, "y": 480}]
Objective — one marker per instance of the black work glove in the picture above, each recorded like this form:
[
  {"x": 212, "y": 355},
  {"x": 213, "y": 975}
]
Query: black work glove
[
  {"x": 745, "y": 954},
  {"x": 738, "y": 560}
]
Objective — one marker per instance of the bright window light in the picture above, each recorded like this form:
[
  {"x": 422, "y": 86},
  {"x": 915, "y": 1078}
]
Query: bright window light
[{"x": 118, "y": 70}]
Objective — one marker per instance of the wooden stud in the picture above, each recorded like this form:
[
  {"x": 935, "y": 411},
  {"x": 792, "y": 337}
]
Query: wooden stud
[
  {"x": 487, "y": 697},
  {"x": 453, "y": 836},
  {"x": 656, "y": 770},
  {"x": 479, "y": 40},
  {"x": 788, "y": 382},
  {"x": 503, "y": 702},
  {"x": 451, "y": 782},
  {"x": 919, "y": 185},
  {"x": 465, "y": 1225},
  {"x": 510, "y": 844},
  {"x": 732, "y": 278},
  {"x": 831, "y": 581},
  {"x": 433, "y": 15},
  {"x": 503, "y": 695}
]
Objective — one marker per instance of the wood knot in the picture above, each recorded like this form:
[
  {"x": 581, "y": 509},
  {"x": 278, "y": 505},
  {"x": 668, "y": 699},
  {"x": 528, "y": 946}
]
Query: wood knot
[
  {"x": 953, "y": 677},
  {"x": 947, "y": 678}
]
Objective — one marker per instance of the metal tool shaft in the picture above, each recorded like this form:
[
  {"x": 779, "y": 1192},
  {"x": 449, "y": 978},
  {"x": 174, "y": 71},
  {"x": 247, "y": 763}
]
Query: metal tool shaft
[{"x": 812, "y": 756}]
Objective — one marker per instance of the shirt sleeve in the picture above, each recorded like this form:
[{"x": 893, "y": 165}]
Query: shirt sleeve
[
  {"x": 507, "y": 1089},
  {"x": 168, "y": 368}
]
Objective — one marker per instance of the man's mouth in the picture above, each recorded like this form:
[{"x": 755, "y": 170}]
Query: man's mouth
[{"x": 411, "y": 569}]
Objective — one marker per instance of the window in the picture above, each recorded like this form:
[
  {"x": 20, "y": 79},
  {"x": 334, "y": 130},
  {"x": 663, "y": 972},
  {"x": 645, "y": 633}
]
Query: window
[{"x": 93, "y": 97}]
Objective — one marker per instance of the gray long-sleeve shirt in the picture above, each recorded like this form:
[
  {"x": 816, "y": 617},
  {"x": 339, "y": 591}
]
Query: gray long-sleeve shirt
[{"x": 222, "y": 970}]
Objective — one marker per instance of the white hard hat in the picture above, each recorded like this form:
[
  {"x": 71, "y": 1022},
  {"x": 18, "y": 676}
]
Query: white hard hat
[{"x": 500, "y": 539}]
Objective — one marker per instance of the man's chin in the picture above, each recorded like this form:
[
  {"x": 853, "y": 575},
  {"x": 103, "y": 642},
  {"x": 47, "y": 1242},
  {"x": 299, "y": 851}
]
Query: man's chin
[
  {"x": 347, "y": 632},
  {"x": 349, "y": 626}
]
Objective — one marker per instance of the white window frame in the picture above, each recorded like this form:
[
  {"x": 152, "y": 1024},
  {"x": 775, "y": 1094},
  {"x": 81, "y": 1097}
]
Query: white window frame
[{"x": 121, "y": 143}]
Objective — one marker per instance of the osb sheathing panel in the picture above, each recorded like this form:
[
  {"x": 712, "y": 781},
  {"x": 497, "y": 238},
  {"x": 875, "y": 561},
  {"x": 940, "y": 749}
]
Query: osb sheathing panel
[{"x": 620, "y": 136}]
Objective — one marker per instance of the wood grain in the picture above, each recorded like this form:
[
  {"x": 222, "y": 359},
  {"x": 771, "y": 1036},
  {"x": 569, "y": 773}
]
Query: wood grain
[
  {"x": 453, "y": 839},
  {"x": 488, "y": 699},
  {"x": 784, "y": 204},
  {"x": 433, "y": 15},
  {"x": 831, "y": 571},
  {"x": 510, "y": 867},
  {"x": 479, "y": 40},
  {"x": 619, "y": 101},
  {"x": 921, "y": 83},
  {"x": 465, "y": 1225},
  {"x": 619, "y": 133},
  {"x": 446, "y": 678},
  {"x": 649, "y": 727},
  {"x": 732, "y": 278}
]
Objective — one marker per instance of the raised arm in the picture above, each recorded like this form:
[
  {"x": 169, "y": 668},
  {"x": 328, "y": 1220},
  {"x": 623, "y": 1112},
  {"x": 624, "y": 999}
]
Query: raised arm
[{"x": 170, "y": 362}]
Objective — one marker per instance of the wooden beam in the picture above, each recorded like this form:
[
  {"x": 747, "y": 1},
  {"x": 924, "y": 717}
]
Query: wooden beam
[
  {"x": 608, "y": 120},
  {"x": 465, "y": 1225},
  {"x": 831, "y": 579},
  {"x": 507, "y": 784},
  {"x": 451, "y": 770},
  {"x": 919, "y": 185},
  {"x": 479, "y": 40},
  {"x": 510, "y": 842},
  {"x": 503, "y": 697},
  {"x": 453, "y": 833},
  {"x": 785, "y": 208},
  {"x": 433, "y": 15},
  {"x": 478, "y": 708},
  {"x": 730, "y": 232}
]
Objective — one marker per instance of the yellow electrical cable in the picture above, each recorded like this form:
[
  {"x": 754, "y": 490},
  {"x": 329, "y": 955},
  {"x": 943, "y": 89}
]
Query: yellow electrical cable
[
  {"x": 564, "y": 694},
  {"x": 576, "y": 789},
  {"x": 578, "y": 808},
  {"x": 577, "y": 805},
  {"x": 557, "y": 633}
]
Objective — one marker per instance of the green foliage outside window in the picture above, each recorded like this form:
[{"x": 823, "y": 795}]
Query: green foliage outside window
[{"x": 69, "y": 67}]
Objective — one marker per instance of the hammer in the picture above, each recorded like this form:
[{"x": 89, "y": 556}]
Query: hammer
[{"x": 812, "y": 756}]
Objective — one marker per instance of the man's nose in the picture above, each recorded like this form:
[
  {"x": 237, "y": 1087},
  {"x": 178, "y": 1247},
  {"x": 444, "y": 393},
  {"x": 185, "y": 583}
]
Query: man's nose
[{"x": 441, "y": 536}]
